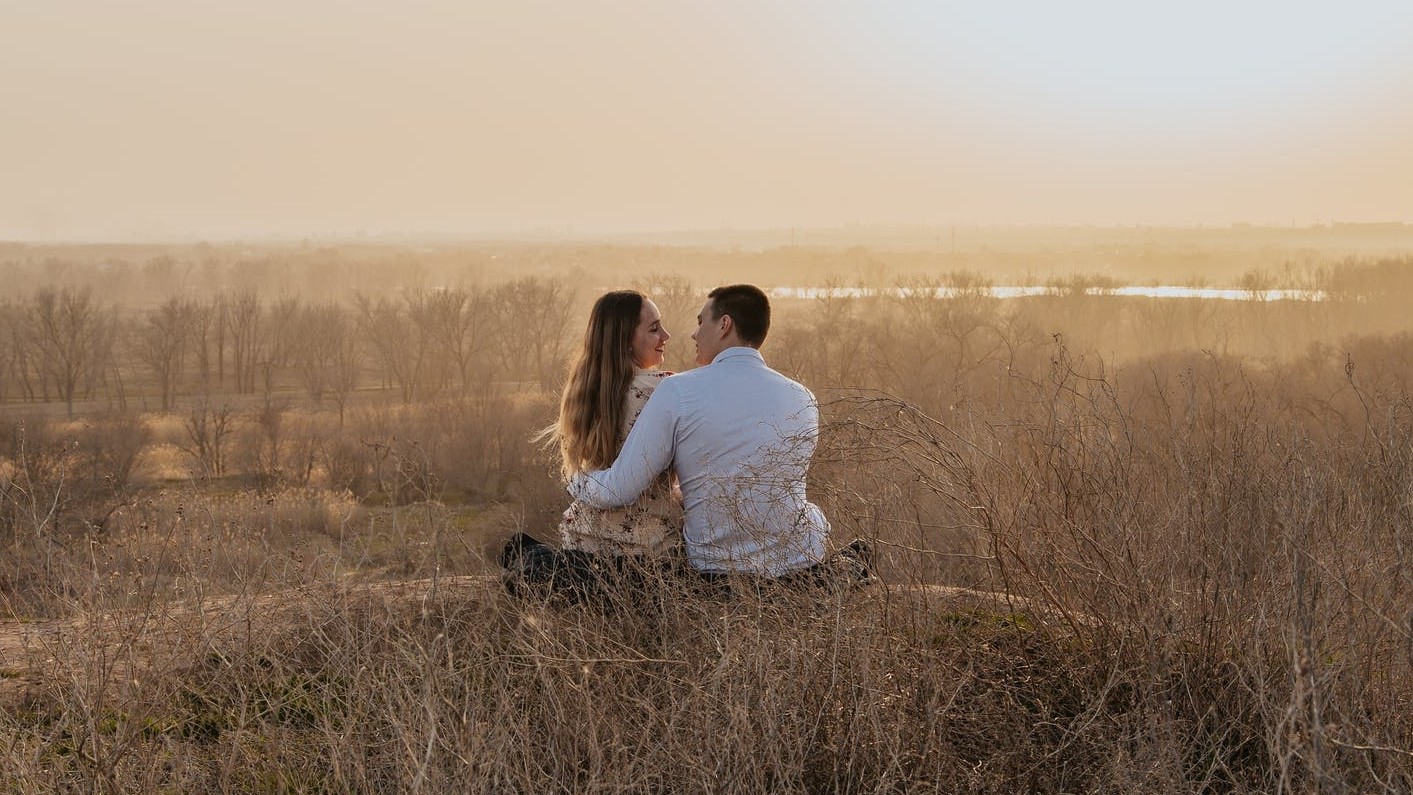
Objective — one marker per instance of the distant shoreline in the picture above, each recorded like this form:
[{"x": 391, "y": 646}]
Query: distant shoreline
[{"x": 1002, "y": 292}]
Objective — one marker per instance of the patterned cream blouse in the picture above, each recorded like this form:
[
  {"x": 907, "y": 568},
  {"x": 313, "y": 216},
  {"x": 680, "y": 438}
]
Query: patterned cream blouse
[{"x": 651, "y": 526}]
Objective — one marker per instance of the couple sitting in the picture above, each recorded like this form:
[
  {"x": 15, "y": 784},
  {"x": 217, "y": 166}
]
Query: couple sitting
[{"x": 710, "y": 462}]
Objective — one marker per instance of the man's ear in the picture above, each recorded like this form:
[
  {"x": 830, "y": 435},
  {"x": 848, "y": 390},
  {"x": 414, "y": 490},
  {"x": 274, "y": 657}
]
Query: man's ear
[{"x": 727, "y": 326}]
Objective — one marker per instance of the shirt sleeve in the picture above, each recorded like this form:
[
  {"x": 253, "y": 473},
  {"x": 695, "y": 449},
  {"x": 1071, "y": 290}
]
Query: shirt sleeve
[{"x": 646, "y": 454}]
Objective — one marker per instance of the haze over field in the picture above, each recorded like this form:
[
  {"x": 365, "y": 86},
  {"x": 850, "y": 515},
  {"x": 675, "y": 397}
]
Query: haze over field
[
  {"x": 168, "y": 119},
  {"x": 1103, "y": 307}
]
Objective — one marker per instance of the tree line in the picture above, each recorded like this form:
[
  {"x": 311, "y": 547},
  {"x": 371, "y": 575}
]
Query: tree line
[
  {"x": 936, "y": 339},
  {"x": 67, "y": 345}
]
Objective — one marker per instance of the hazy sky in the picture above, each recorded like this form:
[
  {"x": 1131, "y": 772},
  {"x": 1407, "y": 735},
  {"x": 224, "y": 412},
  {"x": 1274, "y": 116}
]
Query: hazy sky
[{"x": 222, "y": 118}]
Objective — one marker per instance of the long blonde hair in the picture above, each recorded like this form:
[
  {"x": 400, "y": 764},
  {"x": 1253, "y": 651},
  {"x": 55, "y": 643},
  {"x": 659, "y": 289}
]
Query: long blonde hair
[{"x": 592, "y": 406}]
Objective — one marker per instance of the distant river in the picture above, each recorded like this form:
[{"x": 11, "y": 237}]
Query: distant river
[{"x": 1021, "y": 292}]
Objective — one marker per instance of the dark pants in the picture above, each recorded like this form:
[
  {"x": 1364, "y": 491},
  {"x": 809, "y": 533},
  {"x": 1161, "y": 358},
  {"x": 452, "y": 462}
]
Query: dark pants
[
  {"x": 532, "y": 568},
  {"x": 850, "y": 567}
]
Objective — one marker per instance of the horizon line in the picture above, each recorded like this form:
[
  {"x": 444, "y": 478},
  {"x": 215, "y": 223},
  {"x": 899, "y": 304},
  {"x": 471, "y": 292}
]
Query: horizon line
[{"x": 569, "y": 235}]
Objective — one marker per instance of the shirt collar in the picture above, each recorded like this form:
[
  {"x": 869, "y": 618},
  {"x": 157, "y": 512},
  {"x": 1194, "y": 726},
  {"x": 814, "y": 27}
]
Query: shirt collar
[{"x": 739, "y": 352}]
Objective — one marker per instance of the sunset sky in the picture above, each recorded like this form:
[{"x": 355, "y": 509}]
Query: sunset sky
[{"x": 154, "y": 119}]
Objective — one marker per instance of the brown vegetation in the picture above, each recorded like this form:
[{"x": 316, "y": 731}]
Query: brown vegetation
[{"x": 254, "y": 559}]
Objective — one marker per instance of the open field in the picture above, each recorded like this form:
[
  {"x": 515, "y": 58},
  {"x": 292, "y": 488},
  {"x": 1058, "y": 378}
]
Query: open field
[{"x": 1155, "y": 545}]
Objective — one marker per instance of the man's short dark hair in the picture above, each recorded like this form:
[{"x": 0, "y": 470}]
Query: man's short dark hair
[{"x": 748, "y": 307}]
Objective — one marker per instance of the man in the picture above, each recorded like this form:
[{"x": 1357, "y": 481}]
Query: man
[{"x": 740, "y": 437}]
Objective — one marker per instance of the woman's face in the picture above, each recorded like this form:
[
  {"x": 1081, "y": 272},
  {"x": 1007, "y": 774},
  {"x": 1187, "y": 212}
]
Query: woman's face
[{"x": 649, "y": 338}]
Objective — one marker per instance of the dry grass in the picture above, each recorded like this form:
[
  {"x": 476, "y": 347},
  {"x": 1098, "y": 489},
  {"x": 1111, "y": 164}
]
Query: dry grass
[
  {"x": 460, "y": 690},
  {"x": 1193, "y": 574}
]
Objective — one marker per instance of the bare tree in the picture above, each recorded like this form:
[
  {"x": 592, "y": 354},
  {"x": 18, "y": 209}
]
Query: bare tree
[
  {"x": 24, "y": 365},
  {"x": 460, "y": 322},
  {"x": 222, "y": 311},
  {"x": 946, "y": 327},
  {"x": 10, "y": 355},
  {"x": 161, "y": 343},
  {"x": 825, "y": 356},
  {"x": 532, "y": 316},
  {"x": 323, "y": 333},
  {"x": 73, "y": 337},
  {"x": 1257, "y": 284},
  {"x": 208, "y": 340},
  {"x": 434, "y": 367},
  {"x": 283, "y": 330},
  {"x": 207, "y": 429},
  {"x": 347, "y": 367},
  {"x": 246, "y": 338},
  {"x": 398, "y": 335},
  {"x": 267, "y": 445}
]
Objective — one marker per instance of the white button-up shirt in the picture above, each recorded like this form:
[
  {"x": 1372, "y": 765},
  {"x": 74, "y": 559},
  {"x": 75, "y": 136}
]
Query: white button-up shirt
[{"x": 740, "y": 437}]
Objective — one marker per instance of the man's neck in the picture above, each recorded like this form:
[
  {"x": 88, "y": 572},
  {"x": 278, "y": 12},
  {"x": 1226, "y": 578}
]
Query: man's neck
[{"x": 734, "y": 349}]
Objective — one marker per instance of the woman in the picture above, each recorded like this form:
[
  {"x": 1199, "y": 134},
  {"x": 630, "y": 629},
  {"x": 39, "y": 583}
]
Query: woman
[{"x": 609, "y": 384}]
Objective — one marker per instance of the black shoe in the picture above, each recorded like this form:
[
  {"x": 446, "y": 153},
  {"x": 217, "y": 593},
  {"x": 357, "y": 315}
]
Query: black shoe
[
  {"x": 864, "y": 552},
  {"x": 862, "y": 559},
  {"x": 519, "y": 561},
  {"x": 515, "y": 548}
]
